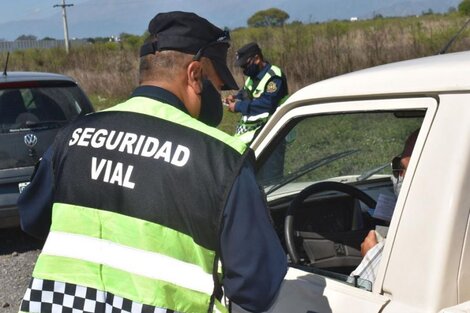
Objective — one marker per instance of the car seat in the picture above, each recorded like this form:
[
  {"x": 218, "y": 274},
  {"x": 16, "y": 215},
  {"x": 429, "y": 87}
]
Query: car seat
[
  {"x": 11, "y": 106},
  {"x": 48, "y": 109}
]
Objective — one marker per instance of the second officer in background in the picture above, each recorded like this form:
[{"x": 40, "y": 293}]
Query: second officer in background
[{"x": 265, "y": 89}]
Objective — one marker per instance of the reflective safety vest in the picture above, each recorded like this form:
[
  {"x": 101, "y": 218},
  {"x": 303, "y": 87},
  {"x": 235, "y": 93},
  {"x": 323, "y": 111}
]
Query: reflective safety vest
[
  {"x": 138, "y": 203},
  {"x": 250, "y": 124}
]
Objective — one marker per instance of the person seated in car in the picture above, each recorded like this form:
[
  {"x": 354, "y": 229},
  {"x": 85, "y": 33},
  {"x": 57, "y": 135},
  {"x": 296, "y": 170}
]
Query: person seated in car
[{"x": 372, "y": 246}]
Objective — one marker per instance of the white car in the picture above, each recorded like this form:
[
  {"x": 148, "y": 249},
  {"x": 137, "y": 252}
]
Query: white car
[{"x": 340, "y": 136}]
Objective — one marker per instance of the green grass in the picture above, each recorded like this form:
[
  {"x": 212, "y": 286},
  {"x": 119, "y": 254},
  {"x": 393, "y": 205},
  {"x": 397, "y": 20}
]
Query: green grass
[
  {"x": 227, "y": 124},
  {"x": 101, "y": 103},
  {"x": 307, "y": 53},
  {"x": 378, "y": 137}
]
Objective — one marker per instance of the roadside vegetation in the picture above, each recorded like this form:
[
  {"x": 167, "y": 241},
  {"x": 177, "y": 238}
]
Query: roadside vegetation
[{"x": 107, "y": 71}]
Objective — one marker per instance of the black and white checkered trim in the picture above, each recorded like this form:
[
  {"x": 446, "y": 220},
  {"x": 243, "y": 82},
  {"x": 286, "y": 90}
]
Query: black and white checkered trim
[
  {"x": 245, "y": 127},
  {"x": 47, "y": 296}
]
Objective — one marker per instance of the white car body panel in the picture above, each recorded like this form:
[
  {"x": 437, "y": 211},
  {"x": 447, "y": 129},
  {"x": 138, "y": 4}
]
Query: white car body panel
[
  {"x": 426, "y": 261},
  {"x": 304, "y": 292}
]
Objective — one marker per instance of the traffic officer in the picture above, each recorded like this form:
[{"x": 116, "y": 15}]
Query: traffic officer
[
  {"x": 265, "y": 89},
  {"x": 143, "y": 199}
]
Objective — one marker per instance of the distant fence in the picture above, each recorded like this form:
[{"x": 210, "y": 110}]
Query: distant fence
[{"x": 37, "y": 44}]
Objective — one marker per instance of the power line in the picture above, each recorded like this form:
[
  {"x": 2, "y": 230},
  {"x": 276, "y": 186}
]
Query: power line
[{"x": 64, "y": 15}]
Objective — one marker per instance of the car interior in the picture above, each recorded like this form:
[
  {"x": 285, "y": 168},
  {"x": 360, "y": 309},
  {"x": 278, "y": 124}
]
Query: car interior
[
  {"x": 323, "y": 176},
  {"x": 38, "y": 110},
  {"x": 11, "y": 106},
  {"x": 38, "y": 106}
]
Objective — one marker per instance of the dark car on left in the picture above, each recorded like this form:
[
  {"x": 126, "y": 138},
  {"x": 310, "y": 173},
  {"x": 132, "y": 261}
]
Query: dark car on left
[{"x": 33, "y": 107}]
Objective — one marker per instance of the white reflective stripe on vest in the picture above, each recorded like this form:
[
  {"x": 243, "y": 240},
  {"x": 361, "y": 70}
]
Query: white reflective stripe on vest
[
  {"x": 132, "y": 260},
  {"x": 254, "y": 118}
]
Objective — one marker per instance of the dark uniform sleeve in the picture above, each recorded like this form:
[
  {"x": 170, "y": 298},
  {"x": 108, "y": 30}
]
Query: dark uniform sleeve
[
  {"x": 267, "y": 102},
  {"x": 242, "y": 95},
  {"x": 35, "y": 202},
  {"x": 253, "y": 258}
]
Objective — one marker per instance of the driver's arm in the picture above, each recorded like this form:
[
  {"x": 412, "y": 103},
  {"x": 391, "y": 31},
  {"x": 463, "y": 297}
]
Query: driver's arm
[
  {"x": 253, "y": 259},
  {"x": 369, "y": 242},
  {"x": 369, "y": 266}
]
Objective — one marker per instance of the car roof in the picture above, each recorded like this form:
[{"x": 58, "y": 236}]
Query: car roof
[
  {"x": 33, "y": 76},
  {"x": 426, "y": 76}
]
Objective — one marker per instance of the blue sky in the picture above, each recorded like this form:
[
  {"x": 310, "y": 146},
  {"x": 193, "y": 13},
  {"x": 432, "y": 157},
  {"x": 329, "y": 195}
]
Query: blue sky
[
  {"x": 103, "y": 18},
  {"x": 14, "y": 10}
]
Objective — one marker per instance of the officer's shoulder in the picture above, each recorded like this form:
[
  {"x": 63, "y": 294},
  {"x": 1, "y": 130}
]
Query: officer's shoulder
[{"x": 231, "y": 141}]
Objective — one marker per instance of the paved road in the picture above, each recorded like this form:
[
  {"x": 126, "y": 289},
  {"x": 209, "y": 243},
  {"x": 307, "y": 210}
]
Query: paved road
[{"x": 18, "y": 254}]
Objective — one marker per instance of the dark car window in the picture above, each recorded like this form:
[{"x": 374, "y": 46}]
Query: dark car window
[
  {"x": 31, "y": 114},
  {"x": 24, "y": 107},
  {"x": 33, "y": 108}
]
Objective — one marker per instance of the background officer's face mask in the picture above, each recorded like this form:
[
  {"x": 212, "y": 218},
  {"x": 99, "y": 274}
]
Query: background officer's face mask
[
  {"x": 211, "y": 104},
  {"x": 251, "y": 69}
]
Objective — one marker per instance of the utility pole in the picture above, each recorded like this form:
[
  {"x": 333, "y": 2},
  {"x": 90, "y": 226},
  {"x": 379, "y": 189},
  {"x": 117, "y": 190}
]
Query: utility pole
[{"x": 66, "y": 30}]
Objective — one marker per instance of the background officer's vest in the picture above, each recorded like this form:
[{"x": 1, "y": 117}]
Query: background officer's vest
[
  {"x": 249, "y": 124},
  {"x": 138, "y": 205}
]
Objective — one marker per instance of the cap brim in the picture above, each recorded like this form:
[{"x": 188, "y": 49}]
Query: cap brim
[
  {"x": 218, "y": 55},
  {"x": 242, "y": 61},
  {"x": 225, "y": 75}
]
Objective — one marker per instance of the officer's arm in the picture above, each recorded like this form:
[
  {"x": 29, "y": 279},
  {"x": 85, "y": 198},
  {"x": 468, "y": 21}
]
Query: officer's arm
[
  {"x": 242, "y": 95},
  {"x": 253, "y": 258},
  {"x": 267, "y": 102},
  {"x": 35, "y": 202}
]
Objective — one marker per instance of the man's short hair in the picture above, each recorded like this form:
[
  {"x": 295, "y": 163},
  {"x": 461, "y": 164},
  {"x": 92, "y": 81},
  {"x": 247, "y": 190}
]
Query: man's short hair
[{"x": 162, "y": 65}]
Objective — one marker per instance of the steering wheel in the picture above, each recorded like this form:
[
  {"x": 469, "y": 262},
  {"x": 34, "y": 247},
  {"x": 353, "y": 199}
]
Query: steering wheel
[{"x": 296, "y": 204}]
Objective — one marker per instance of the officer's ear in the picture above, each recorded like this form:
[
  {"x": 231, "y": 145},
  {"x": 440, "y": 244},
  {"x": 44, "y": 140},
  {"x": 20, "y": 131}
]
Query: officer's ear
[{"x": 194, "y": 75}]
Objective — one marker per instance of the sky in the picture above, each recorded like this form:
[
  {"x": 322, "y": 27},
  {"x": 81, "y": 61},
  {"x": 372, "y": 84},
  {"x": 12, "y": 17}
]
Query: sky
[
  {"x": 105, "y": 18},
  {"x": 14, "y": 10},
  {"x": 110, "y": 16}
]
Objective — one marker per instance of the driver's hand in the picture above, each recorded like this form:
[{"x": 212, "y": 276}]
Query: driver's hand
[{"x": 369, "y": 242}]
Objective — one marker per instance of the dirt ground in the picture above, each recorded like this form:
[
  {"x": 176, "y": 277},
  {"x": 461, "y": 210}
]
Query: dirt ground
[{"x": 18, "y": 254}]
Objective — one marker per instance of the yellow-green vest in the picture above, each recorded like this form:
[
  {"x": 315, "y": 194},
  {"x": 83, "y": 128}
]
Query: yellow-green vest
[
  {"x": 248, "y": 125},
  {"x": 139, "y": 247}
]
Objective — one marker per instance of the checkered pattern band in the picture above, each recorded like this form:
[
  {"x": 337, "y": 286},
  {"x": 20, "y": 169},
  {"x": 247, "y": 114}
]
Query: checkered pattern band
[
  {"x": 47, "y": 296},
  {"x": 244, "y": 127}
]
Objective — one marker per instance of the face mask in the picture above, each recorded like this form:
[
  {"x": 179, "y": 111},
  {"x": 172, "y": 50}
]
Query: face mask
[
  {"x": 397, "y": 182},
  {"x": 251, "y": 70},
  {"x": 211, "y": 104}
]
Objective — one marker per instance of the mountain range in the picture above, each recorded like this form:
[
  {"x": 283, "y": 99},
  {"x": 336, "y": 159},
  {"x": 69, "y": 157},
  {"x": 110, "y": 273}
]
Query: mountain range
[{"x": 111, "y": 17}]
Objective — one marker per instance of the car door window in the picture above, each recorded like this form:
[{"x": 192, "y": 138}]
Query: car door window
[{"x": 351, "y": 148}]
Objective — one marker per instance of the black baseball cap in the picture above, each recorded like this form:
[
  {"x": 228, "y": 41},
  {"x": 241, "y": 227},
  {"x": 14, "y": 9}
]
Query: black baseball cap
[
  {"x": 189, "y": 33},
  {"x": 246, "y": 52}
]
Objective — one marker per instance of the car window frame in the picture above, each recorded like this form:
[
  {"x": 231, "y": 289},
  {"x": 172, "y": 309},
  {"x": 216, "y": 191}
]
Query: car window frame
[{"x": 279, "y": 122}]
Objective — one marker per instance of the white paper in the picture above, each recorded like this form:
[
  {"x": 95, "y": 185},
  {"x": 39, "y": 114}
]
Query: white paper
[{"x": 385, "y": 207}]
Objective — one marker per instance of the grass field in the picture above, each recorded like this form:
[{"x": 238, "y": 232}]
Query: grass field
[
  {"x": 307, "y": 53},
  {"x": 375, "y": 137}
]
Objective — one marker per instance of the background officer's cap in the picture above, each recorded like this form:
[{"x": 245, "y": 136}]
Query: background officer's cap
[
  {"x": 246, "y": 52},
  {"x": 192, "y": 34}
]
